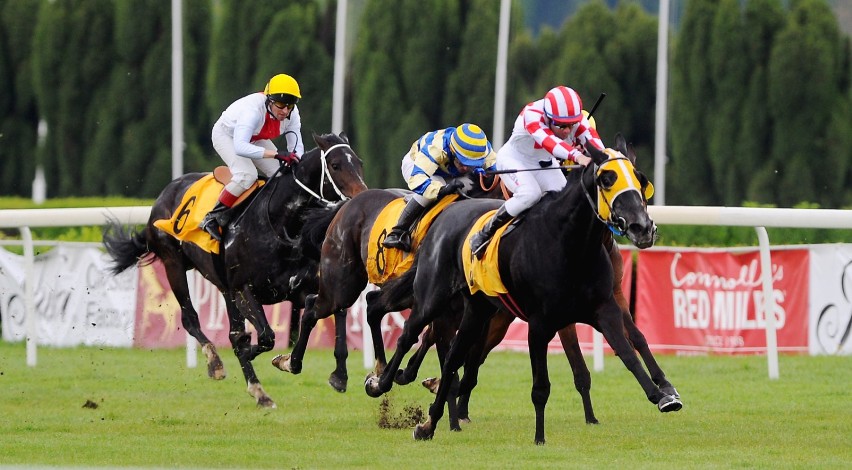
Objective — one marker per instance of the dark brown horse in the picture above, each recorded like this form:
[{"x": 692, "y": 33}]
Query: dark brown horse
[
  {"x": 340, "y": 237},
  {"x": 550, "y": 283},
  {"x": 260, "y": 261}
]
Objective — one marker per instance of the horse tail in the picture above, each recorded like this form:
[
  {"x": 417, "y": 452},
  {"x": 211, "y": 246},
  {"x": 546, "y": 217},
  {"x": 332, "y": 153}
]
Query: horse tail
[
  {"x": 317, "y": 221},
  {"x": 125, "y": 246},
  {"x": 399, "y": 291}
]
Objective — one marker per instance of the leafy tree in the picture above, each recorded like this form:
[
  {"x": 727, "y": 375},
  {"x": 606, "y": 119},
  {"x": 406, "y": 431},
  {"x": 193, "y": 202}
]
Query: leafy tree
[
  {"x": 806, "y": 52},
  {"x": 18, "y": 114},
  {"x": 730, "y": 69},
  {"x": 762, "y": 21},
  {"x": 72, "y": 57},
  {"x": 692, "y": 89}
]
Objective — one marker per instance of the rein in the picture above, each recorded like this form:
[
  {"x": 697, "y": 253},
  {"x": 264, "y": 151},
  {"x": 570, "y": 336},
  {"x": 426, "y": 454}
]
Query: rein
[{"x": 325, "y": 173}]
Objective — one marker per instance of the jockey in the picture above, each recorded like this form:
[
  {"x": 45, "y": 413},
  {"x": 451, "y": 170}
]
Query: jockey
[
  {"x": 546, "y": 132},
  {"x": 431, "y": 169},
  {"x": 243, "y": 138}
]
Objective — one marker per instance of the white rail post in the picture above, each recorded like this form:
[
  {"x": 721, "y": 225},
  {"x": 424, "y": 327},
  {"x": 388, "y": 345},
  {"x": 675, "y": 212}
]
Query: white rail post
[
  {"x": 29, "y": 293},
  {"x": 768, "y": 302}
]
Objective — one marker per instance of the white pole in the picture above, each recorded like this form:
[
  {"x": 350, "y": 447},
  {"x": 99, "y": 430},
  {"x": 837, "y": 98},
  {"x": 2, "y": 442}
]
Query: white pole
[
  {"x": 500, "y": 79},
  {"x": 768, "y": 302},
  {"x": 177, "y": 89},
  {"x": 597, "y": 351},
  {"x": 191, "y": 343},
  {"x": 339, "y": 68},
  {"x": 662, "y": 99},
  {"x": 29, "y": 300}
]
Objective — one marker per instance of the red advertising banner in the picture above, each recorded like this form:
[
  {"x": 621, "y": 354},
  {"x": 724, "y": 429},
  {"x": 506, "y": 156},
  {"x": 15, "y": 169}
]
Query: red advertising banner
[
  {"x": 698, "y": 302},
  {"x": 158, "y": 322},
  {"x": 516, "y": 337}
]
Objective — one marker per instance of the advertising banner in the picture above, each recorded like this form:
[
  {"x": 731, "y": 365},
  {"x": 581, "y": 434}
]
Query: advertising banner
[
  {"x": 831, "y": 299},
  {"x": 703, "y": 301},
  {"x": 77, "y": 300}
]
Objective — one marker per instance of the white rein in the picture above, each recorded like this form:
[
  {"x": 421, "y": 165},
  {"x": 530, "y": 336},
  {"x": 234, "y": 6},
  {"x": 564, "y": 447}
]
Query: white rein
[{"x": 325, "y": 173}]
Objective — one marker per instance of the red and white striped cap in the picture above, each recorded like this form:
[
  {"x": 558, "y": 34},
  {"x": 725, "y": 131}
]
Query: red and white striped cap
[{"x": 563, "y": 105}]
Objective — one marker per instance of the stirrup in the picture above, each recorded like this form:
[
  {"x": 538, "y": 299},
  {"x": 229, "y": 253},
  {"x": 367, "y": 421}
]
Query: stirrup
[
  {"x": 399, "y": 240},
  {"x": 211, "y": 226}
]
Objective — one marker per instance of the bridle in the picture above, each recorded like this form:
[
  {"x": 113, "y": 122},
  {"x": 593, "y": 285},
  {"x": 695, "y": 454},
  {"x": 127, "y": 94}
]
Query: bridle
[
  {"x": 616, "y": 224},
  {"x": 324, "y": 174}
]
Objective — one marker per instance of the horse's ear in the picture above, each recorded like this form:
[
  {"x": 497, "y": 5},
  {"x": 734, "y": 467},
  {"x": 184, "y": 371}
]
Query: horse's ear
[
  {"x": 344, "y": 137},
  {"x": 320, "y": 140},
  {"x": 621, "y": 144},
  {"x": 631, "y": 153},
  {"x": 596, "y": 155}
]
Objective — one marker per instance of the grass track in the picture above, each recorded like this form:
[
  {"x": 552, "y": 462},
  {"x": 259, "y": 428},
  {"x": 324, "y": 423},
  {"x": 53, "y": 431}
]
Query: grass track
[{"x": 154, "y": 412}]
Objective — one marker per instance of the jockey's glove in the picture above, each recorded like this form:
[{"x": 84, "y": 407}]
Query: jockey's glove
[
  {"x": 288, "y": 158},
  {"x": 450, "y": 188}
]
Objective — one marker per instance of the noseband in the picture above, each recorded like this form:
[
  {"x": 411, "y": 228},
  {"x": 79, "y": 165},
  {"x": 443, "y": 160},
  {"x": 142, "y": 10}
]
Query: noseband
[{"x": 325, "y": 173}]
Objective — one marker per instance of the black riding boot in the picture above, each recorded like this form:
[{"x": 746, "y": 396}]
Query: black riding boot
[
  {"x": 219, "y": 216},
  {"x": 400, "y": 236},
  {"x": 479, "y": 241}
]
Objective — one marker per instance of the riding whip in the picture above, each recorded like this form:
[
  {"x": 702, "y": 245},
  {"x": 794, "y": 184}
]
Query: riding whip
[{"x": 503, "y": 172}]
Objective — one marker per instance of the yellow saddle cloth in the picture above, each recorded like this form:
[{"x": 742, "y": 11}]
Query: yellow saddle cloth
[
  {"x": 483, "y": 275},
  {"x": 198, "y": 200},
  {"x": 384, "y": 264}
]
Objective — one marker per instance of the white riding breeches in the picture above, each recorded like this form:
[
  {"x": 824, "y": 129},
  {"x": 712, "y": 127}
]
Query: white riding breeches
[
  {"x": 244, "y": 171},
  {"x": 526, "y": 187}
]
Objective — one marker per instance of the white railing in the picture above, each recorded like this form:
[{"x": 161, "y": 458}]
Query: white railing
[{"x": 759, "y": 218}]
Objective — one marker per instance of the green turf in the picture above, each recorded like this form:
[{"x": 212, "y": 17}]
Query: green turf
[{"x": 152, "y": 411}]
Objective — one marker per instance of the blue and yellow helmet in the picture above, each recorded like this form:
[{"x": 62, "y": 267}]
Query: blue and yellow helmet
[{"x": 470, "y": 145}]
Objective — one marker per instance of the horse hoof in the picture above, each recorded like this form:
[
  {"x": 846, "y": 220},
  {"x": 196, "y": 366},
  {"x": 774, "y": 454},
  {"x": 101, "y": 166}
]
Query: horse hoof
[
  {"x": 669, "y": 403},
  {"x": 421, "y": 433},
  {"x": 266, "y": 402},
  {"x": 371, "y": 386},
  {"x": 216, "y": 371},
  {"x": 338, "y": 383},
  {"x": 432, "y": 384},
  {"x": 282, "y": 361}
]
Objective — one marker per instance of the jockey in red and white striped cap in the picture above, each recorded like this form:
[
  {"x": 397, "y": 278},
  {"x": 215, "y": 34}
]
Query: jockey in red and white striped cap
[{"x": 546, "y": 133}]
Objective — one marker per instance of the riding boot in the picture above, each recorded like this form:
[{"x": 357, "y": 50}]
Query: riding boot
[
  {"x": 479, "y": 241},
  {"x": 220, "y": 216},
  {"x": 400, "y": 236}
]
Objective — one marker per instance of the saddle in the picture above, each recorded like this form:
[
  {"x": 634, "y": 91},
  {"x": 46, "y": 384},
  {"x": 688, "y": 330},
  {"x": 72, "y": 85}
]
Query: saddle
[{"x": 198, "y": 200}]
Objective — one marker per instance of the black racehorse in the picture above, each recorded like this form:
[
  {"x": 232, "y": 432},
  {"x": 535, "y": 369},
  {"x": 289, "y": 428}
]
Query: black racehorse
[
  {"x": 260, "y": 261},
  {"x": 398, "y": 294},
  {"x": 339, "y": 238},
  {"x": 555, "y": 270}
]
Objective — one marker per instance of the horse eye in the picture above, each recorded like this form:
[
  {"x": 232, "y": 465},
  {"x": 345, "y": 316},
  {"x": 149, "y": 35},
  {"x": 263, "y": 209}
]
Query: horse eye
[{"x": 335, "y": 166}]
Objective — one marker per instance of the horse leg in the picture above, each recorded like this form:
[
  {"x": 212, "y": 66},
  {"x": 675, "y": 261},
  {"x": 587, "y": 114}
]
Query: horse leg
[
  {"x": 582, "y": 377},
  {"x": 641, "y": 345},
  {"x": 469, "y": 329},
  {"x": 293, "y": 362},
  {"x": 633, "y": 334},
  {"x": 611, "y": 324},
  {"x": 339, "y": 377},
  {"x": 378, "y": 384},
  {"x": 176, "y": 274},
  {"x": 492, "y": 334},
  {"x": 244, "y": 306},
  {"x": 537, "y": 340},
  {"x": 409, "y": 374},
  {"x": 376, "y": 311}
]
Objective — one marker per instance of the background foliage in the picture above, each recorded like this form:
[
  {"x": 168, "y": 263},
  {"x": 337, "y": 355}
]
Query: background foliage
[{"x": 760, "y": 97}]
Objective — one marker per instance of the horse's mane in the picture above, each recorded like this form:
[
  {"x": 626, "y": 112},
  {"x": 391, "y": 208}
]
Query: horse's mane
[{"x": 316, "y": 224}]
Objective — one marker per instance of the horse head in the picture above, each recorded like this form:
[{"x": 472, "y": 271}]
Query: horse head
[
  {"x": 622, "y": 193},
  {"x": 332, "y": 171}
]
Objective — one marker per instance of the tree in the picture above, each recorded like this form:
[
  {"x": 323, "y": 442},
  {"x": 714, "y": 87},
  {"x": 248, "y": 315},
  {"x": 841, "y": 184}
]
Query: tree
[
  {"x": 806, "y": 51},
  {"x": 689, "y": 180},
  {"x": 18, "y": 114}
]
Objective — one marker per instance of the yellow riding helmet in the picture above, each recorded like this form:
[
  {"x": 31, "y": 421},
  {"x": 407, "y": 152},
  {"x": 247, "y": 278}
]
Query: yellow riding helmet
[{"x": 283, "y": 89}]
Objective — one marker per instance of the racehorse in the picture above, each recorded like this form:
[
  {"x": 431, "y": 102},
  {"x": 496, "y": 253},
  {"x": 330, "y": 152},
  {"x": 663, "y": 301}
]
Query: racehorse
[
  {"x": 339, "y": 237},
  {"x": 260, "y": 260},
  {"x": 549, "y": 282}
]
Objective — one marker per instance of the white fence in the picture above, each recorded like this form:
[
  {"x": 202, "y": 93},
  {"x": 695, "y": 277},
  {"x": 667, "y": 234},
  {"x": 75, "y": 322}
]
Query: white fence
[{"x": 759, "y": 218}]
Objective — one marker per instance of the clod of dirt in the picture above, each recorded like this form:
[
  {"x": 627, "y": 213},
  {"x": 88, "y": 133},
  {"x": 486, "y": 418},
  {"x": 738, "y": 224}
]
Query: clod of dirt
[
  {"x": 90, "y": 404},
  {"x": 410, "y": 416}
]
